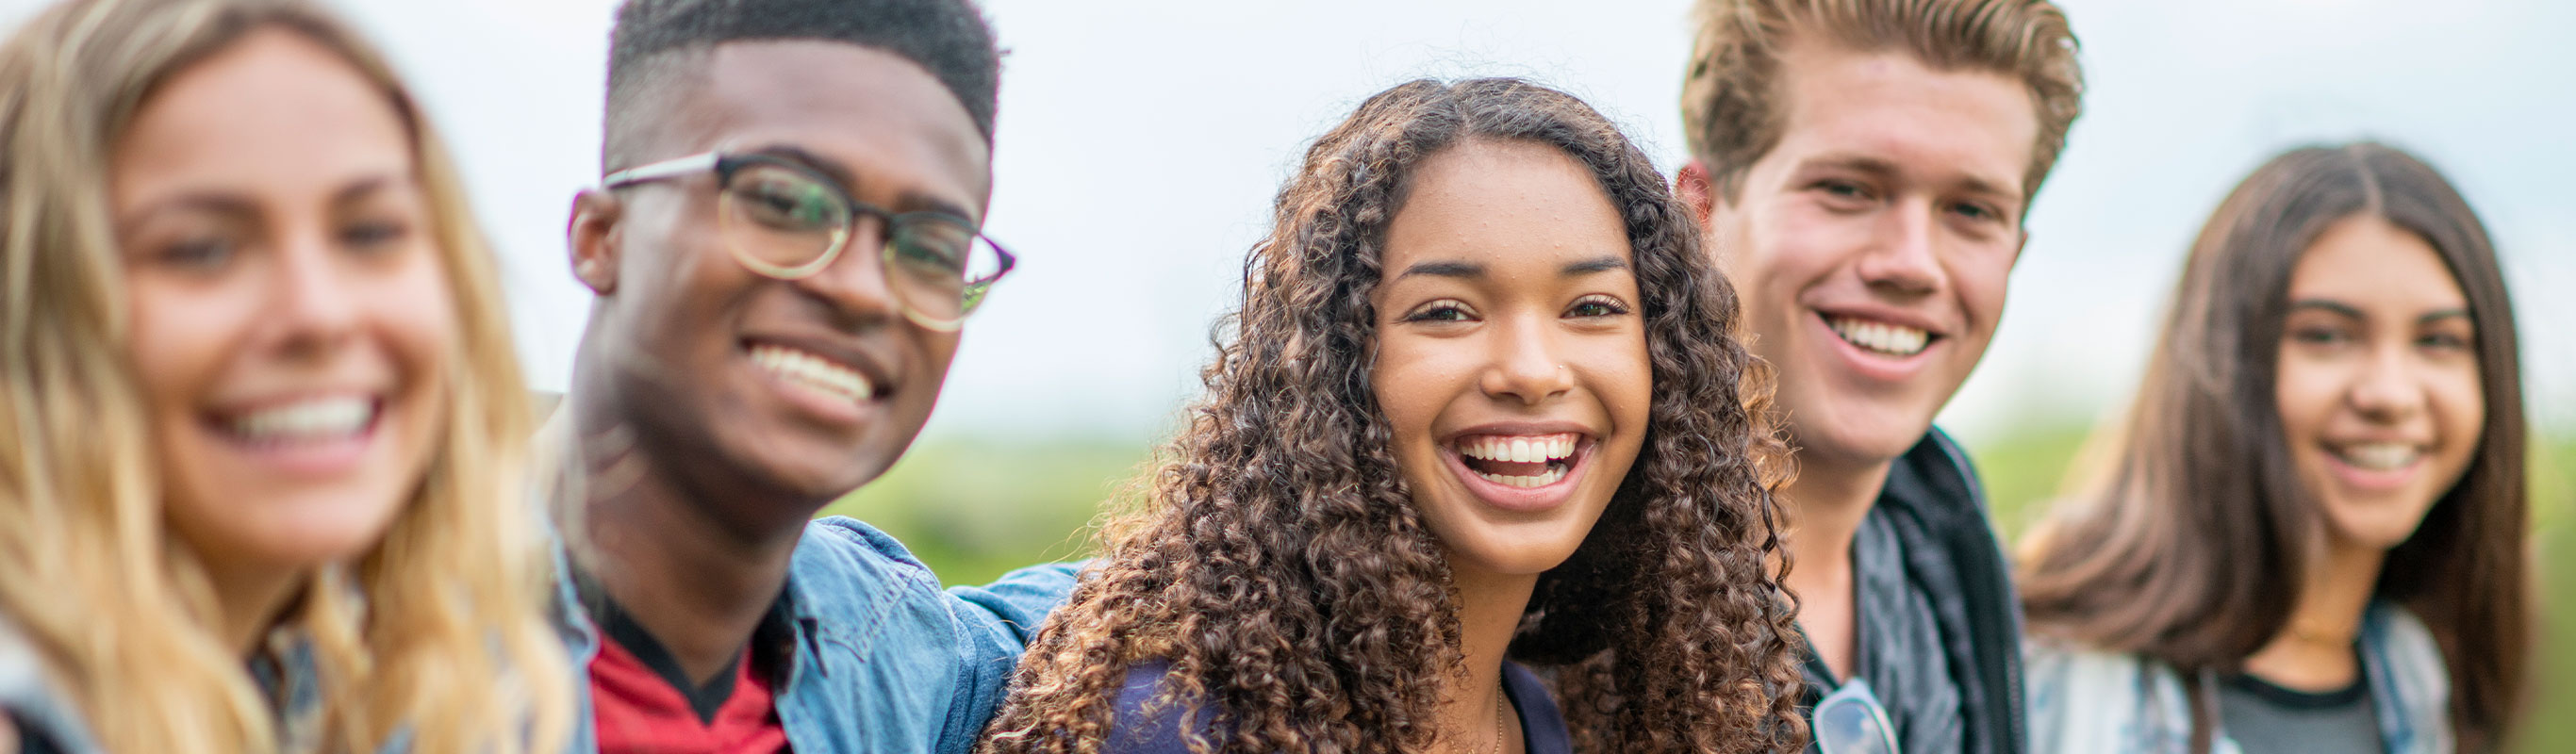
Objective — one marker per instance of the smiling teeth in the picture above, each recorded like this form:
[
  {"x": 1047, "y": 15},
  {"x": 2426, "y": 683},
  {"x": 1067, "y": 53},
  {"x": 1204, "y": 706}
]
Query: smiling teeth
[
  {"x": 1886, "y": 338},
  {"x": 1548, "y": 449},
  {"x": 1519, "y": 449},
  {"x": 1541, "y": 480},
  {"x": 808, "y": 369},
  {"x": 2380, "y": 456},
  {"x": 307, "y": 421}
]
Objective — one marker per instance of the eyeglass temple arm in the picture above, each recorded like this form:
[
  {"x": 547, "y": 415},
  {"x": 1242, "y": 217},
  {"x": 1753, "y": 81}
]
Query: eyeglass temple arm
[
  {"x": 1008, "y": 261},
  {"x": 660, "y": 170}
]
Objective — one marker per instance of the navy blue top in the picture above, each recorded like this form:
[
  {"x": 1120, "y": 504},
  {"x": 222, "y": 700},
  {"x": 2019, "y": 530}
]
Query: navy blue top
[{"x": 1134, "y": 732}]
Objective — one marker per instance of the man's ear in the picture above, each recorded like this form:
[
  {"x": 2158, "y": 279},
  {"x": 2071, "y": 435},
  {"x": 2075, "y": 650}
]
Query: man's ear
[
  {"x": 593, "y": 238},
  {"x": 1691, "y": 184}
]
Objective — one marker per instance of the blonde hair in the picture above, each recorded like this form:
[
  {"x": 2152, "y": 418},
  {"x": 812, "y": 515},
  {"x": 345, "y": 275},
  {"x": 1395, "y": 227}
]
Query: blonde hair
[
  {"x": 1732, "y": 112},
  {"x": 438, "y": 631}
]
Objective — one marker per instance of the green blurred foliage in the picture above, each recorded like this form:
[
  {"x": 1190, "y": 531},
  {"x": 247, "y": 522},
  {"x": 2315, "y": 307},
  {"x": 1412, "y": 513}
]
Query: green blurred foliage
[
  {"x": 2025, "y": 469},
  {"x": 975, "y": 508},
  {"x": 2548, "y": 725}
]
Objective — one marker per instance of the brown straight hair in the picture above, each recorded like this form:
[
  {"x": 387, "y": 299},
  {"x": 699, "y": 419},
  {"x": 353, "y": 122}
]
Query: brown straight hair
[{"x": 2192, "y": 549}]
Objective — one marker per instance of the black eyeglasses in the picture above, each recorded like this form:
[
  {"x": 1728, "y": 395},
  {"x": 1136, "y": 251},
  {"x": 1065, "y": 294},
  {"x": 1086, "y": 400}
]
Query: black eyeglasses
[{"x": 782, "y": 219}]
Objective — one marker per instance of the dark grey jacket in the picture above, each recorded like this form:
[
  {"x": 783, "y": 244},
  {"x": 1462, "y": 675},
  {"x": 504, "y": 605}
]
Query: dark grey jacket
[{"x": 1939, "y": 511}]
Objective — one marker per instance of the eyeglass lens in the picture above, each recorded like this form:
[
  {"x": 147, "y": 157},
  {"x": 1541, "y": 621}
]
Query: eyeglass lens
[
  {"x": 784, "y": 223},
  {"x": 1853, "y": 725}
]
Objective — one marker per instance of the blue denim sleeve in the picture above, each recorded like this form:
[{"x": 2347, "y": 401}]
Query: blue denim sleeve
[
  {"x": 1019, "y": 602},
  {"x": 994, "y": 624}
]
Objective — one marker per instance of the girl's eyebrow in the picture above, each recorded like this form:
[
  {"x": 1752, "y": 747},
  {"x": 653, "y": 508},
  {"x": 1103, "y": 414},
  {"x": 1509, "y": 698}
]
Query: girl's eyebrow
[
  {"x": 2442, "y": 314},
  {"x": 363, "y": 188},
  {"x": 2328, "y": 305},
  {"x": 1446, "y": 269},
  {"x": 2348, "y": 310},
  {"x": 1603, "y": 263},
  {"x": 209, "y": 201},
  {"x": 1457, "y": 269},
  {"x": 235, "y": 203}
]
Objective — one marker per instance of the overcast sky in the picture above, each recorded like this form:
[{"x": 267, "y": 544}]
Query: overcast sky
[{"x": 1141, "y": 141}]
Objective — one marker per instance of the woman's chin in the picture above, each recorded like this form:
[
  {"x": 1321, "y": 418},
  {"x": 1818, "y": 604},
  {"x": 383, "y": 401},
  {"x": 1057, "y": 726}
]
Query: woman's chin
[
  {"x": 1488, "y": 540},
  {"x": 1511, "y": 556},
  {"x": 292, "y": 528}
]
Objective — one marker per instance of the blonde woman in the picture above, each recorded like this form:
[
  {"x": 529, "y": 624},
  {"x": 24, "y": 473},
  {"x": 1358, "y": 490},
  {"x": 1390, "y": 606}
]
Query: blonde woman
[{"x": 259, "y": 414}]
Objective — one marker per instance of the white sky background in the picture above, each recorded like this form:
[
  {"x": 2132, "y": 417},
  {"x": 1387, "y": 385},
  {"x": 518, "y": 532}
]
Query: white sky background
[{"x": 1141, "y": 141}]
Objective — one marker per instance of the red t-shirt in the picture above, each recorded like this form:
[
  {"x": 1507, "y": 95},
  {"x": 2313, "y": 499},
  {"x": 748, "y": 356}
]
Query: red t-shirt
[{"x": 642, "y": 709}]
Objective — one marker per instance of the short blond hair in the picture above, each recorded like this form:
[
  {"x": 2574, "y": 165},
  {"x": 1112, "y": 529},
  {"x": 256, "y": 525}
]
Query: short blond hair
[{"x": 1731, "y": 108}]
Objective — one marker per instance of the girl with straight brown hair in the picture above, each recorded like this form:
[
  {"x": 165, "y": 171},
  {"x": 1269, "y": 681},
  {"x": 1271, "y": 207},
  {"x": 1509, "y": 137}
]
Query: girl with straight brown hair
[{"x": 2312, "y": 536}]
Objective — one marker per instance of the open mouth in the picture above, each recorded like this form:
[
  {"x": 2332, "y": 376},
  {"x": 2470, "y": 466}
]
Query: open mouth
[
  {"x": 2377, "y": 456},
  {"x": 1878, "y": 337},
  {"x": 1523, "y": 461},
  {"x": 814, "y": 372},
  {"x": 309, "y": 422}
]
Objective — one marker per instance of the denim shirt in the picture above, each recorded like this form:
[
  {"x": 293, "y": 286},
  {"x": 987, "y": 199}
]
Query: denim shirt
[
  {"x": 29, "y": 700},
  {"x": 882, "y": 660},
  {"x": 2084, "y": 700},
  {"x": 285, "y": 670}
]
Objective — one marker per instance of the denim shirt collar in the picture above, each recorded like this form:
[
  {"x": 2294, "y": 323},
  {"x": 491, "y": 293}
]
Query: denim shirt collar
[
  {"x": 2097, "y": 700},
  {"x": 810, "y": 616},
  {"x": 807, "y": 630},
  {"x": 289, "y": 676},
  {"x": 853, "y": 619},
  {"x": 794, "y": 623},
  {"x": 284, "y": 670},
  {"x": 2410, "y": 688},
  {"x": 2409, "y": 682},
  {"x": 581, "y": 643},
  {"x": 880, "y": 662},
  {"x": 873, "y": 652},
  {"x": 29, "y": 698}
]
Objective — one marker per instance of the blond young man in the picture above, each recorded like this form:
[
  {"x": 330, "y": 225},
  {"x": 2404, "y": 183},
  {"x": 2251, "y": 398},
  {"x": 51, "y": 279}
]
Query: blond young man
[{"x": 1863, "y": 168}]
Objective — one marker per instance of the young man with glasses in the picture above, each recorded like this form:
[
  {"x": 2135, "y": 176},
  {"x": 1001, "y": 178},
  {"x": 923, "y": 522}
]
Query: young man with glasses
[
  {"x": 1863, "y": 168},
  {"x": 784, "y": 247}
]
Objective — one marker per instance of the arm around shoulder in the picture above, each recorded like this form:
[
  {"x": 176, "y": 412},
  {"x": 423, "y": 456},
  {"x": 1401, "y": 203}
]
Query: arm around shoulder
[
  {"x": 1019, "y": 602},
  {"x": 995, "y": 623}
]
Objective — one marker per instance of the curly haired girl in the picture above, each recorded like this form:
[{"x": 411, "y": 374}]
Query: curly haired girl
[{"x": 1481, "y": 415}]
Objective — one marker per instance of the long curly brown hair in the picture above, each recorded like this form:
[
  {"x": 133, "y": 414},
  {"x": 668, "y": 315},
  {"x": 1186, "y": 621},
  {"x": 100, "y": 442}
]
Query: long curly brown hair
[{"x": 1282, "y": 569}]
